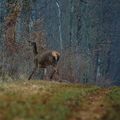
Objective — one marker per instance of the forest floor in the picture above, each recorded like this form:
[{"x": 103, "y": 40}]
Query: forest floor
[{"x": 48, "y": 100}]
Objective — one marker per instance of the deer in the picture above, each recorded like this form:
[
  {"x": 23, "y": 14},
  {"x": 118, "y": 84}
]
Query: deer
[{"x": 44, "y": 59}]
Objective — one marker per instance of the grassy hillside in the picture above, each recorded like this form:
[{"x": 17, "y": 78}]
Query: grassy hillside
[{"x": 39, "y": 100}]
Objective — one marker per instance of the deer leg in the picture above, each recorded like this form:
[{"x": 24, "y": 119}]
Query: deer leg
[
  {"x": 54, "y": 71},
  {"x": 34, "y": 70},
  {"x": 45, "y": 73}
]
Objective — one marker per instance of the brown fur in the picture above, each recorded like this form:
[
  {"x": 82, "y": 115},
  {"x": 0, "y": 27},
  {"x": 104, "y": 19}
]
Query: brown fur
[{"x": 45, "y": 59}]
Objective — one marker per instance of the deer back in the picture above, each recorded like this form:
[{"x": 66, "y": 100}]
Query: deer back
[{"x": 48, "y": 58}]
